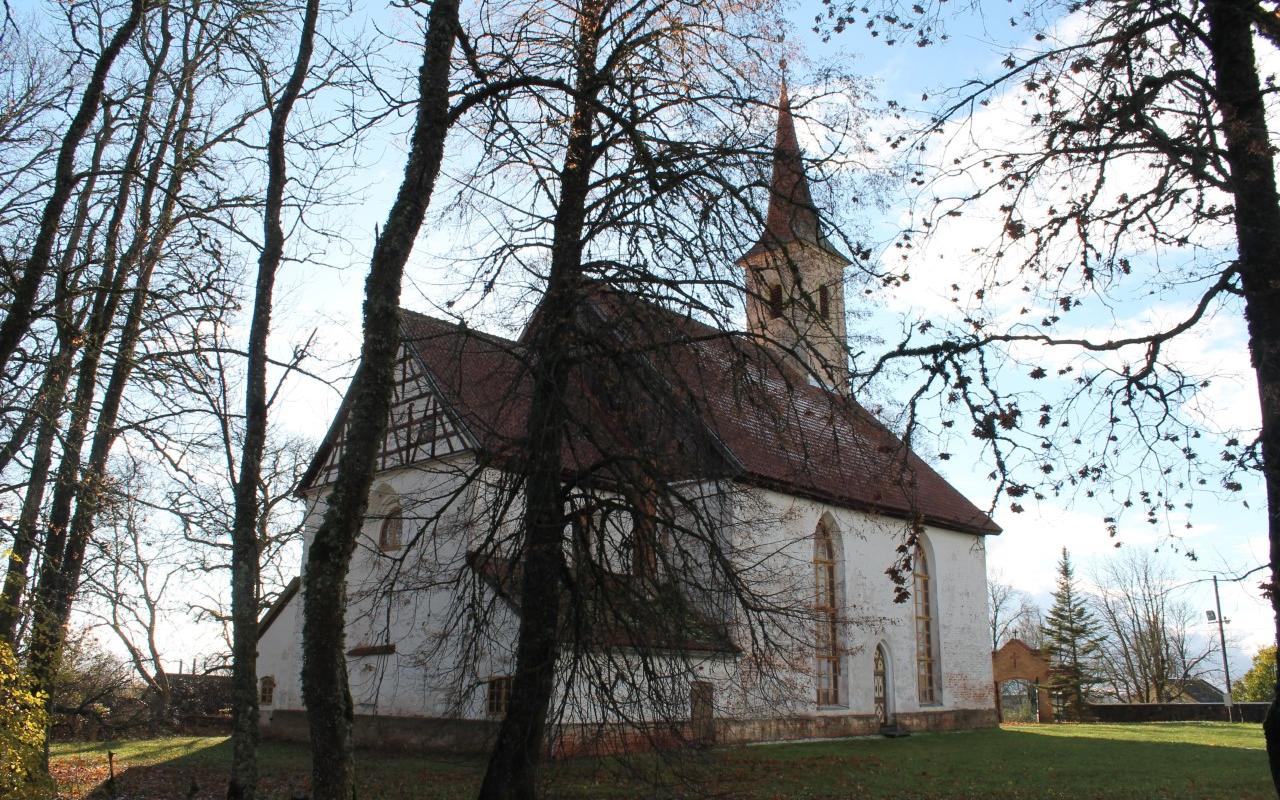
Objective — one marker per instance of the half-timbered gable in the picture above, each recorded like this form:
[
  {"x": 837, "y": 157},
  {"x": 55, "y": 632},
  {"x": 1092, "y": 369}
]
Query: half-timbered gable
[{"x": 420, "y": 428}]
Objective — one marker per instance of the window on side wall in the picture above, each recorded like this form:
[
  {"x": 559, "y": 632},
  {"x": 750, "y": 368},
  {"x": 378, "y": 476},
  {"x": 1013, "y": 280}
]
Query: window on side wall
[
  {"x": 926, "y": 652},
  {"x": 826, "y": 611},
  {"x": 775, "y": 301},
  {"x": 498, "y": 696},
  {"x": 266, "y": 690},
  {"x": 391, "y": 532}
]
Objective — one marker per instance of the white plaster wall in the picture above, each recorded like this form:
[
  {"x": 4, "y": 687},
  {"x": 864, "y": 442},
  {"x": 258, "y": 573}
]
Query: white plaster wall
[
  {"x": 279, "y": 657},
  {"x": 431, "y": 675},
  {"x": 866, "y": 546},
  {"x": 427, "y": 675}
]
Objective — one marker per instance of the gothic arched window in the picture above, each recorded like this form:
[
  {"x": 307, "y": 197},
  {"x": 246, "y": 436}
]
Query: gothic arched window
[
  {"x": 391, "y": 533},
  {"x": 824, "y": 302},
  {"x": 926, "y": 635},
  {"x": 827, "y": 642}
]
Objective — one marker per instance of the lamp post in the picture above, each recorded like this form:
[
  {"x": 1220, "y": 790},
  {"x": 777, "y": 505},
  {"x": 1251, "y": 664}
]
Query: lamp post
[{"x": 1222, "y": 639}]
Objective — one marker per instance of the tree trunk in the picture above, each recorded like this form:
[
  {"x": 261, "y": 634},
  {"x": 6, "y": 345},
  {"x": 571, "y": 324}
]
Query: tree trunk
[
  {"x": 512, "y": 770},
  {"x": 1244, "y": 123},
  {"x": 324, "y": 669},
  {"x": 158, "y": 704},
  {"x": 66, "y": 539},
  {"x": 22, "y": 304},
  {"x": 46, "y": 408},
  {"x": 243, "y": 784}
]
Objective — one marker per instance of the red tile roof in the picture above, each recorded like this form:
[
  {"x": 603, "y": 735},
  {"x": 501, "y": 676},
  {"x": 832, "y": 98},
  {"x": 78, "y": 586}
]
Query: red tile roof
[{"x": 702, "y": 402}]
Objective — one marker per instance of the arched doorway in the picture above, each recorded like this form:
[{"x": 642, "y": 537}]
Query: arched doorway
[
  {"x": 883, "y": 688},
  {"x": 1019, "y": 701},
  {"x": 1021, "y": 674}
]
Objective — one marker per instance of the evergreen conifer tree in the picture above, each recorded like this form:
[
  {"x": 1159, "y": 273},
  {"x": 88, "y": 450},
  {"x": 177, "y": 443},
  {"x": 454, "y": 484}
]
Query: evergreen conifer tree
[{"x": 1071, "y": 642}]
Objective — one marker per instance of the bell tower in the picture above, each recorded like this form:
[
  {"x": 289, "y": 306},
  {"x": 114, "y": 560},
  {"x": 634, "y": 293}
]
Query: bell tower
[{"x": 795, "y": 276}]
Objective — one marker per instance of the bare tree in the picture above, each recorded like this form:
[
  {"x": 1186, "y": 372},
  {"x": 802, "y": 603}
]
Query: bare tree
[
  {"x": 244, "y": 532},
  {"x": 78, "y": 493},
  {"x": 1030, "y": 627},
  {"x": 1146, "y": 133},
  {"x": 142, "y": 279},
  {"x": 324, "y": 671},
  {"x": 22, "y": 306},
  {"x": 512, "y": 764},
  {"x": 1149, "y": 651},
  {"x": 134, "y": 566},
  {"x": 641, "y": 191},
  {"x": 1011, "y": 612},
  {"x": 643, "y": 164},
  {"x": 47, "y": 404}
]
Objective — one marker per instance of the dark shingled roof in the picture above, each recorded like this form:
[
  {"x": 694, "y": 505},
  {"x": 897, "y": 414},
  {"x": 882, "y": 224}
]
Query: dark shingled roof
[
  {"x": 655, "y": 385},
  {"x": 1198, "y": 690}
]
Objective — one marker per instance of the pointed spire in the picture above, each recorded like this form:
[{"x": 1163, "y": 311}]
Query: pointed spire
[
  {"x": 792, "y": 216},
  {"x": 791, "y": 211}
]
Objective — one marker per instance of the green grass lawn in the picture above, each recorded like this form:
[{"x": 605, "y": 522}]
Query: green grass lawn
[{"x": 1081, "y": 762}]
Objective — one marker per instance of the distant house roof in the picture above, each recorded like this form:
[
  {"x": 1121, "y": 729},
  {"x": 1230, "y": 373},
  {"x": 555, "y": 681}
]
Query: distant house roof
[{"x": 1198, "y": 690}]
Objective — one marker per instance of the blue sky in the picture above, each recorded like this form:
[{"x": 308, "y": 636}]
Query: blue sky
[{"x": 1229, "y": 536}]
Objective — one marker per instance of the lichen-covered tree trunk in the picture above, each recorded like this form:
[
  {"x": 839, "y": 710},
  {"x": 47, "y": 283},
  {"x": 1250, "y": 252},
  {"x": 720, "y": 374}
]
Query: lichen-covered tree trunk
[
  {"x": 112, "y": 281},
  {"x": 47, "y": 405},
  {"x": 1257, "y": 220},
  {"x": 324, "y": 668},
  {"x": 22, "y": 303},
  {"x": 243, "y": 783},
  {"x": 512, "y": 769},
  {"x": 68, "y": 533}
]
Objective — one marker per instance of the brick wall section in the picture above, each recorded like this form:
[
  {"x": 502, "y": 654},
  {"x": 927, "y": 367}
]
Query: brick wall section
[{"x": 1018, "y": 660}]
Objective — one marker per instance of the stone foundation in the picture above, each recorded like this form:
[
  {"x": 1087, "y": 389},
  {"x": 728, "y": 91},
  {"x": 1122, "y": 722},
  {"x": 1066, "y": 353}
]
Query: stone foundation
[
  {"x": 960, "y": 719},
  {"x": 781, "y": 729},
  {"x": 416, "y": 734},
  {"x": 832, "y": 726},
  {"x": 474, "y": 736}
]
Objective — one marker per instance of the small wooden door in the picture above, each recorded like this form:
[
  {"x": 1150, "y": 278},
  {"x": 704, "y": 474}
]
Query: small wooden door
[
  {"x": 881, "y": 682},
  {"x": 702, "y": 711}
]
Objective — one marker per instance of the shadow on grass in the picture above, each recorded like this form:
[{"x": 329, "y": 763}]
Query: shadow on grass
[
  {"x": 990, "y": 765},
  {"x": 200, "y": 773}
]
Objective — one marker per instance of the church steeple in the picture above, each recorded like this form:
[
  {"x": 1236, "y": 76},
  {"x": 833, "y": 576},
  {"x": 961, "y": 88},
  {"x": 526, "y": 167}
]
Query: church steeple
[
  {"x": 795, "y": 276},
  {"x": 792, "y": 215}
]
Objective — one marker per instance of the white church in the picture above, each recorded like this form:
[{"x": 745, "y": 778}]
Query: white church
[{"x": 734, "y": 513}]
